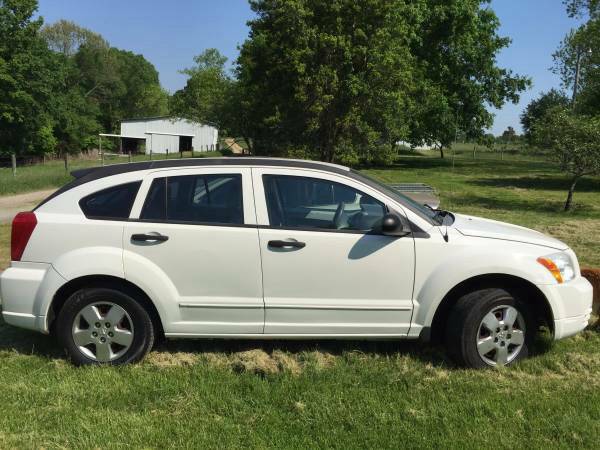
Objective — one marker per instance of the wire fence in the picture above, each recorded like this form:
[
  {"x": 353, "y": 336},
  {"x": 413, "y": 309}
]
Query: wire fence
[{"x": 16, "y": 161}]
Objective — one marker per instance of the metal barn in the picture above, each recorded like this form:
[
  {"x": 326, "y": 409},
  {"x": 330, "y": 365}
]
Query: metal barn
[{"x": 167, "y": 134}]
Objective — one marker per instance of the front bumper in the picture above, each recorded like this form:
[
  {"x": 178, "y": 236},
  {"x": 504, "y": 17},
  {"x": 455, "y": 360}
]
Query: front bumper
[
  {"x": 571, "y": 305},
  {"x": 26, "y": 290}
]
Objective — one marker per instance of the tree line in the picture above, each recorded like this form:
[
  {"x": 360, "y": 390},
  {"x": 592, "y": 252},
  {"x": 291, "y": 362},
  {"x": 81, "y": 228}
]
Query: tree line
[
  {"x": 61, "y": 84},
  {"x": 345, "y": 81},
  {"x": 336, "y": 80}
]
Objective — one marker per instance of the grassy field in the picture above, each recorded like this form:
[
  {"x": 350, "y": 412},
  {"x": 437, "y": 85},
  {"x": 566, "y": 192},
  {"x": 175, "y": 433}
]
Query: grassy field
[
  {"x": 4, "y": 245},
  {"x": 53, "y": 173},
  {"x": 339, "y": 395}
]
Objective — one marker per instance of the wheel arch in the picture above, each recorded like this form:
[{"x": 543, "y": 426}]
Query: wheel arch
[
  {"x": 103, "y": 281},
  {"x": 515, "y": 285}
]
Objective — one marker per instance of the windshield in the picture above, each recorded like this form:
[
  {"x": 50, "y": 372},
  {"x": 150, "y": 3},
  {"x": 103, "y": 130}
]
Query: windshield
[{"x": 426, "y": 212}]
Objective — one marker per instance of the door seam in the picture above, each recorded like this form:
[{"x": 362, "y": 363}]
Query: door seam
[{"x": 262, "y": 275}]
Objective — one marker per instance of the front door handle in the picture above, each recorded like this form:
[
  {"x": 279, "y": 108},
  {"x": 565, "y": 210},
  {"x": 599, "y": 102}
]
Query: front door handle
[
  {"x": 150, "y": 237},
  {"x": 287, "y": 244}
]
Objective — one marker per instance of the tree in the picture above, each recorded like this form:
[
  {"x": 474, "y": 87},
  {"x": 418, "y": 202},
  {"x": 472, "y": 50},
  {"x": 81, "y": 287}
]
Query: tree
[
  {"x": 344, "y": 80},
  {"x": 139, "y": 93},
  {"x": 577, "y": 60},
  {"x": 66, "y": 37},
  {"x": 75, "y": 113},
  {"x": 457, "y": 52},
  {"x": 328, "y": 78},
  {"x": 539, "y": 107},
  {"x": 75, "y": 116},
  {"x": 579, "y": 8},
  {"x": 120, "y": 83},
  {"x": 205, "y": 94},
  {"x": 574, "y": 141},
  {"x": 27, "y": 80}
]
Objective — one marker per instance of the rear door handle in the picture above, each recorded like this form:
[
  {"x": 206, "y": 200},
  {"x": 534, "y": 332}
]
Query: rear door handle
[
  {"x": 150, "y": 237},
  {"x": 287, "y": 244}
]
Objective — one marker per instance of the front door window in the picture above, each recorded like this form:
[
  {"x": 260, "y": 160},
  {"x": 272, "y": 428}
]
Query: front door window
[{"x": 312, "y": 203}]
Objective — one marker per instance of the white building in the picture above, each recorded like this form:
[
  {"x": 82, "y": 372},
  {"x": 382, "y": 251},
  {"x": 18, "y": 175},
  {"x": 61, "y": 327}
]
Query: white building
[{"x": 162, "y": 134}]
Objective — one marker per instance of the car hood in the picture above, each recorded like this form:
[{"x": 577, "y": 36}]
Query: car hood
[{"x": 492, "y": 229}]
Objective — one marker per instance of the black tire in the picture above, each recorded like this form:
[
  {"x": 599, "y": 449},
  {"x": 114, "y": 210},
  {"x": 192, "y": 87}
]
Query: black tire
[
  {"x": 143, "y": 329},
  {"x": 463, "y": 327}
]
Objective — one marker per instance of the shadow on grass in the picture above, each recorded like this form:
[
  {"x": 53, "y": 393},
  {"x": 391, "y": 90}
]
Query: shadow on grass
[
  {"x": 467, "y": 167},
  {"x": 426, "y": 353},
  {"x": 27, "y": 342},
  {"x": 511, "y": 204},
  {"x": 546, "y": 183},
  {"x": 24, "y": 342}
]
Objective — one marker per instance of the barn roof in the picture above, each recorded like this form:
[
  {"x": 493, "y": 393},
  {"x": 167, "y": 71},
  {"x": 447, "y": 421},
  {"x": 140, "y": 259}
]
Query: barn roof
[{"x": 172, "y": 118}]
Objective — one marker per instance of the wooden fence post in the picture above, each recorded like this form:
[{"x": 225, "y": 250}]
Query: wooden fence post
[
  {"x": 13, "y": 159},
  {"x": 129, "y": 156},
  {"x": 100, "y": 149},
  {"x": 167, "y": 157}
]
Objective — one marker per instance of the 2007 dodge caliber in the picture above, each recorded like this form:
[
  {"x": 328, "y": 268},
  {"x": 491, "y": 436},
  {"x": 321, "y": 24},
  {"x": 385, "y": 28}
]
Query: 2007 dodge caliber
[{"x": 275, "y": 248}]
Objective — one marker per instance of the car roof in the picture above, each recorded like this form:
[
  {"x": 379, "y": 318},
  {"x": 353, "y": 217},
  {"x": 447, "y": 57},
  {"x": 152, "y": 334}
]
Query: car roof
[
  {"x": 83, "y": 176},
  {"x": 95, "y": 173}
]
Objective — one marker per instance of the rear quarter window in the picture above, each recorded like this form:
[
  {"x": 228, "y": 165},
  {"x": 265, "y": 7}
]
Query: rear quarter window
[{"x": 113, "y": 203}]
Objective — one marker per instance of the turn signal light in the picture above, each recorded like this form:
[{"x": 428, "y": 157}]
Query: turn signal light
[{"x": 552, "y": 268}]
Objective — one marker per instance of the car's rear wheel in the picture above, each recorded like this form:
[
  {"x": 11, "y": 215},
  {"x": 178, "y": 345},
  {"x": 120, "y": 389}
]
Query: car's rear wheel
[
  {"x": 489, "y": 328},
  {"x": 104, "y": 326}
]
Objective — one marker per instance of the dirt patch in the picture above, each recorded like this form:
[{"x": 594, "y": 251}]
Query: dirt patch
[
  {"x": 286, "y": 362},
  {"x": 10, "y": 205},
  {"x": 172, "y": 359},
  {"x": 254, "y": 360}
]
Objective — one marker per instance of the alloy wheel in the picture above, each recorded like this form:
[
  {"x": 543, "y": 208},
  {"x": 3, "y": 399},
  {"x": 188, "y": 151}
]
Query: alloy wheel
[
  {"x": 103, "y": 331},
  {"x": 501, "y": 335}
]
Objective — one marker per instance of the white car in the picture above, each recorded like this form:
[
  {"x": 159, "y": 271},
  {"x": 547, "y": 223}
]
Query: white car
[{"x": 278, "y": 249}]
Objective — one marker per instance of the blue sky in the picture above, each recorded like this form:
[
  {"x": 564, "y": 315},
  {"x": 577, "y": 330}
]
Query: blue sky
[{"x": 170, "y": 33}]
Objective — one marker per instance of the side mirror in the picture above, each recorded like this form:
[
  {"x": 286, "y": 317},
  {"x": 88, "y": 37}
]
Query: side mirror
[{"x": 393, "y": 225}]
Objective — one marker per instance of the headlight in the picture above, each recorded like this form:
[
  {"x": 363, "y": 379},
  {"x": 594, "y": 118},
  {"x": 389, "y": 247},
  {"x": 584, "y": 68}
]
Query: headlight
[{"x": 559, "y": 265}]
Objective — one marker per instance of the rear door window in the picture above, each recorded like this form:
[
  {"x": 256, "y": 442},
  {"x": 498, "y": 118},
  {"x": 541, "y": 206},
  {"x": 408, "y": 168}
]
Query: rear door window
[
  {"x": 113, "y": 203},
  {"x": 195, "y": 199}
]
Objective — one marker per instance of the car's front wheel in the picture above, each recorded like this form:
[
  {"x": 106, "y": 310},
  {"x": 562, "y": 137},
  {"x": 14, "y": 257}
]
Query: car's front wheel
[
  {"x": 489, "y": 328},
  {"x": 104, "y": 326}
]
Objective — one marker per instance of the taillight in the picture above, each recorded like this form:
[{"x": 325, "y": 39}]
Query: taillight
[{"x": 22, "y": 226}]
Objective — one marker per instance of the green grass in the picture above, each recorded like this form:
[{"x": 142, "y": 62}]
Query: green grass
[
  {"x": 4, "y": 245},
  {"x": 339, "y": 395},
  {"x": 330, "y": 394}
]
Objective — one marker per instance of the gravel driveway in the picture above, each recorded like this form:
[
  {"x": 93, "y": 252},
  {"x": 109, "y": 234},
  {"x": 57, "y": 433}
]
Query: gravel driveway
[{"x": 10, "y": 205}]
